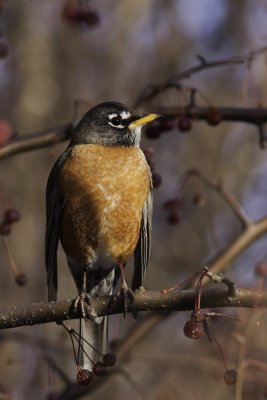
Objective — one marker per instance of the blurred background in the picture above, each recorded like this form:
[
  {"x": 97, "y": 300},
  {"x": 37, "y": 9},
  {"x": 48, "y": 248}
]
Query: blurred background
[{"x": 54, "y": 60}]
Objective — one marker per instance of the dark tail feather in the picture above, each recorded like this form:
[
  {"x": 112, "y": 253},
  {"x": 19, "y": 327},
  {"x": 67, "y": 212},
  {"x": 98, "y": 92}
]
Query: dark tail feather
[{"x": 96, "y": 334}]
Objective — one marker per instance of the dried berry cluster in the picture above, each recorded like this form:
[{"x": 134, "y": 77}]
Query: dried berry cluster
[
  {"x": 84, "y": 376},
  {"x": 10, "y": 216},
  {"x": 183, "y": 123},
  {"x": 197, "y": 326},
  {"x": 175, "y": 205}
]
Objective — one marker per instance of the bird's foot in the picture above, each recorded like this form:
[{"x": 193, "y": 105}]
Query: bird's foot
[
  {"x": 82, "y": 298},
  {"x": 126, "y": 294}
]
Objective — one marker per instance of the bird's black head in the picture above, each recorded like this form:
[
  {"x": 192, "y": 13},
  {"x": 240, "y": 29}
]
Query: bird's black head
[{"x": 110, "y": 124}]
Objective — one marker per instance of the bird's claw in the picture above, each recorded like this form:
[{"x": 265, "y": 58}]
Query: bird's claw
[
  {"x": 126, "y": 293},
  {"x": 80, "y": 300}
]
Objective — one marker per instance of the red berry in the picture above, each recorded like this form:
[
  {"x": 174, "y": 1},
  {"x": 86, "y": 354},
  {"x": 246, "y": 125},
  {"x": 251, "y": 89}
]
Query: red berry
[
  {"x": 21, "y": 279},
  {"x": 213, "y": 117},
  {"x": 153, "y": 131},
  {"x": 171, "y": 205},
  {"x": 193, "y": 329},
  {"x": 173, "y": 218},
  {"x": 114, "y": 344},
  {"x": 184, "y": 124},
  {"x": 230, "y": 377},
  {"x": 78, "y": 14},
  {"x": 165, "y": 125},
  {"x": 5, "y": 228},
  {"x": 149, "y": 153},
  {"x": 198, "y": 199},
  {"x": 99, "y": 369},
  {"x": 84, "y": 376},
  {"x": 6, "y": 131},
  {"x": 109, "y": 359},
  {"x": 156, "y": 179},
  {"x": 11, "y": 215},
  {"x": 3, "y": 50},
  {"x": 261, "y": 269}
]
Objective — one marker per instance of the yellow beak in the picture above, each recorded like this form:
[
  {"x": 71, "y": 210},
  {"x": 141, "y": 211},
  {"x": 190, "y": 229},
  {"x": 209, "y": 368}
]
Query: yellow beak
[{"x": 143, "y": 121}]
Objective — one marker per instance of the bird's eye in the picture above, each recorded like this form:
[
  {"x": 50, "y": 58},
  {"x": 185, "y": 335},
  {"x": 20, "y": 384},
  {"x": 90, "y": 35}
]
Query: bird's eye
[{"x": 116, "y": 121}]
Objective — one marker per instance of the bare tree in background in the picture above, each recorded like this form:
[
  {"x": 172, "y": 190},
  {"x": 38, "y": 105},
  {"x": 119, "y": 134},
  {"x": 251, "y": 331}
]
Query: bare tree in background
[{"x": 203, "y": 66}]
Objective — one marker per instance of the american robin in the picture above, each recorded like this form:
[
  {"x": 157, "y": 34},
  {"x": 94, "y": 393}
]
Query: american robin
[{"x": 99, "y": 205}]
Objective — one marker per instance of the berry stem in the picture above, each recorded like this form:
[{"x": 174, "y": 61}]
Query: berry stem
[
  {"x": 10, "y": 257},
  {"x": 221, "y": 352}
]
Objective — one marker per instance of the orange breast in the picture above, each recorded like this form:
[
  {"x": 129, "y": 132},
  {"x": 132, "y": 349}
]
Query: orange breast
[{"x": 105, "y": 189}]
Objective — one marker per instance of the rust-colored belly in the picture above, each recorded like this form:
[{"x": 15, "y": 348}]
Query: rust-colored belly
[{"x": 105, "y": 189}]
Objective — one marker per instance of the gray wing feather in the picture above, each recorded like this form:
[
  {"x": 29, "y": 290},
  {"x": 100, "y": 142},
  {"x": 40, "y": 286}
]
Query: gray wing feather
[
  {"x": 142, "y": 251},
  {"x": 54, "y": 210}
]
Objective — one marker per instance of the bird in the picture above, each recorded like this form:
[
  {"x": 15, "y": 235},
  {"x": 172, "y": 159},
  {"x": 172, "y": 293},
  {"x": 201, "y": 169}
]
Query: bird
[{"x": 99, "y": 207}]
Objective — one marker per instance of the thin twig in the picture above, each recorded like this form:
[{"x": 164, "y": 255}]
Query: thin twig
[
  {"x": 152, "y": 90},
  {"x": 226, "y": 196}
]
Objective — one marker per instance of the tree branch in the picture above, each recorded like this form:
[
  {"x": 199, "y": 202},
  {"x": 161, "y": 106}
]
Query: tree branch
[
  {"x": 182, "y": 300},
  {"x": 257, "y": 116},
  {"x": 152, "y": 90},
  {"x": 37, "y": 140}
]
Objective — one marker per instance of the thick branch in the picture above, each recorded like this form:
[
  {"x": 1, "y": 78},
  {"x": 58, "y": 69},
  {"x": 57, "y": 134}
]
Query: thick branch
[
  {"x": 224, "y": 259},
  {"x": 182, "y": 300}
]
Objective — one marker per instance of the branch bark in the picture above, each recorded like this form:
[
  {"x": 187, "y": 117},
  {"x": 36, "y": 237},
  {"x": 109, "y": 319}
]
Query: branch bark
[
  {"x": 37, "y": 140},
  {"x": 182, "y": 300}
]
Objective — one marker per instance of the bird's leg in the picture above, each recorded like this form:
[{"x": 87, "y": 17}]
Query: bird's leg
[
  {"x": 83, "y": 296},
  {"x": 125, "y": 291}
]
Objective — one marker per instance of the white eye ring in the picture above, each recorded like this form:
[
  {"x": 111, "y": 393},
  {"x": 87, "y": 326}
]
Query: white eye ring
[
  {"x": 116, "y": 126},
  {"x": 116, "y": 121}
]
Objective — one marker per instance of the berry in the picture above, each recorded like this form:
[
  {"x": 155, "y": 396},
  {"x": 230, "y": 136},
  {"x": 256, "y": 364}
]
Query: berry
[
  {"x": 184, "y": 124},
  {"x": 84, "y": 376},
  {"x": 78, "y": 14},
  {"x": 193, "y": 329},
  {"x": 5, "y": 228},
  {"x": 198, "y": 199},
  {"x": 11, "y": 215},
  {"x": 153, "y": 131},
  {"x": 213, "y": 117},
  {"x": 171, "y": 205},
  {"x": 149, "y": 153},
  {"x": 99, "y": 369},
  {"x": 3, "y": 50},
  {"x": 230, "y": 377},
  {"x": 261, "y": 269},
  {"x": 21, "y": 279},
  {"x": 114, "y": 344},
  {"x": 156, "y": 179},
  {"x": 6, "y": 131},
  {"x": 109, "y": 359},
  {"x": 165, "y": 125},
  {"x": 173, "y": 218}
]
